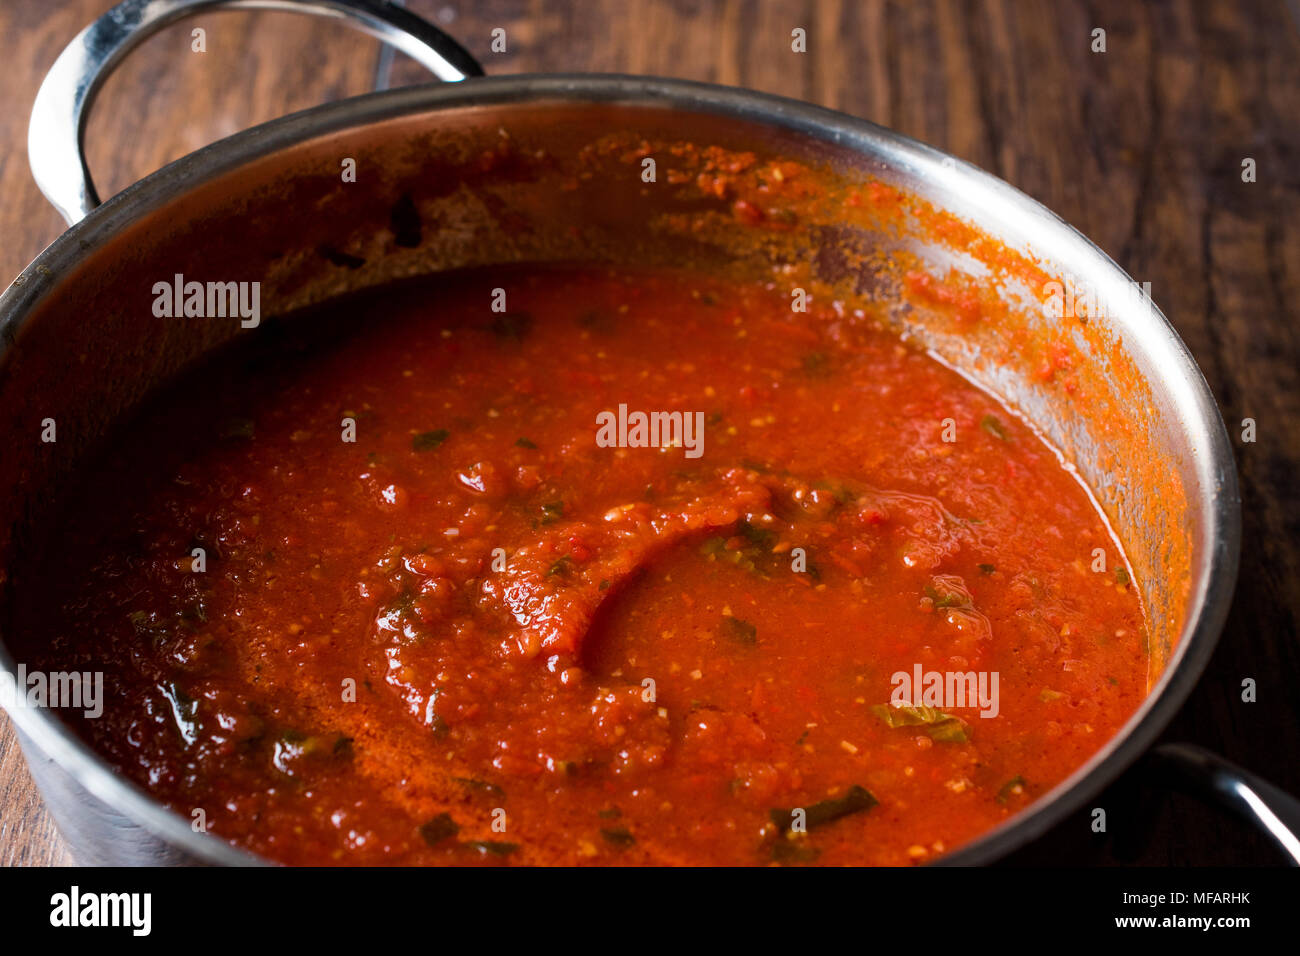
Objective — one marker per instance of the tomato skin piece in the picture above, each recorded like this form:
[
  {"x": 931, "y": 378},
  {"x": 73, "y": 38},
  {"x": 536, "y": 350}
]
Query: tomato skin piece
[{"x": 578, "y": 549}]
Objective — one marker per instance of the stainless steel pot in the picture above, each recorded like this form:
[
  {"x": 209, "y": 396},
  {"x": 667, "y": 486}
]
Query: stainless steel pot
[{"x": 81, "y": 346}]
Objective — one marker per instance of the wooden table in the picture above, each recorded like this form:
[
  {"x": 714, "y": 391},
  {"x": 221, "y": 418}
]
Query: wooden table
[{"x": 1140, "y": 147}]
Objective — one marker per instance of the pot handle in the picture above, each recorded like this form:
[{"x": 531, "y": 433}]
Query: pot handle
[
  {"x": 56, "y": 134},
  {"x": 1204, "y": 774}
]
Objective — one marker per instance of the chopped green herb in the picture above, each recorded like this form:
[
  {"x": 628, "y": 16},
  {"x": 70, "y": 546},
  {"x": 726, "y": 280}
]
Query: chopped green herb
[
  {"x": 612, "y": 813},
  {"x": 512, "y": 325},
  {"x": 524, "y": 443},
  {"x": 855, "y": 800},
  {"x": 757, "y": 548},
  {"x": 817, "y": 365},
  {"x": 185, "y": 711},
  {"x": 711, "y": 547},
  {"x": 552, "y": 511},
  {"x": 427, "y": 441},
  {"x": 794, "y": 851},
  {"x": 480, "y": 786},
  {"x": 618, "y": 837},
  {"x": 597, "y": 320},
  {"x": 1012, "y": 788},
  {"x": 433, "y": 720},
  {"x": 944, "y": 599},
  {"x": 195, "y": 611},
  {"x": 941, "y": 727},
  {"x": 1121, "y": 577},
  {"x": 293, "y": 746},
  {"x": 440, "y": 828},
  {"x": 841, "y": 492},
  {"x": 762, "y": 538},
  {"x": 987, "y": 568},
  {"x": 402, "y": 604},
  {"x": 238, "y": 428},
  {"x": 994, "y": 427},
  {"x": 739, "y": 631},
  {"x": 562, "y": 566}
]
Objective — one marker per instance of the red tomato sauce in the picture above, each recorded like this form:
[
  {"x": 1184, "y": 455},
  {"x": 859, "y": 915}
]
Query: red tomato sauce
[{"x": 475, "y": 635}]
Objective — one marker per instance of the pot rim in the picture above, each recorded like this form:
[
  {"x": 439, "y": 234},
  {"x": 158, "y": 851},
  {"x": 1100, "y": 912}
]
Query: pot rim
[{"x": 1219, "y": 501}]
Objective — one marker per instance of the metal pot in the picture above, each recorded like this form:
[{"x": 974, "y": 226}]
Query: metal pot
[{"x": 79, "y": 344}]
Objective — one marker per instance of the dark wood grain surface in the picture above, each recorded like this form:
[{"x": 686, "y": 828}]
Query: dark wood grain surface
[{"x": 1140, "y": 147}]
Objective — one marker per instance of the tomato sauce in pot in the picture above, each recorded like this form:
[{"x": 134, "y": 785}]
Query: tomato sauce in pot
[{"x": 560, "y": 566}]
